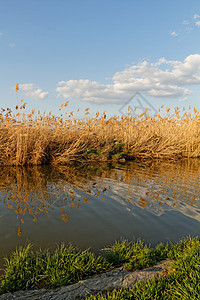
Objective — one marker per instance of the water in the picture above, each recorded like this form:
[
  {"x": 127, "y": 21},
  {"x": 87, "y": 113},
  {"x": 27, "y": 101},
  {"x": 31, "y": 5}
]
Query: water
[{"x": 92, "y": 206}]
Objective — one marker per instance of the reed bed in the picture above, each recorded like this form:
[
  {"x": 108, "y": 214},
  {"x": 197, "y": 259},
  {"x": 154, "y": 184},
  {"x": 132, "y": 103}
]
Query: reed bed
[{"x": 30, "y": 138}]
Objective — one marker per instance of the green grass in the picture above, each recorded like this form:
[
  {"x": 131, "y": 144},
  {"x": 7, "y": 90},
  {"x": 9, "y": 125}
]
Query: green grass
[
  {"x": 26, "y": 269},
  {"x": 183, "y": 282}
]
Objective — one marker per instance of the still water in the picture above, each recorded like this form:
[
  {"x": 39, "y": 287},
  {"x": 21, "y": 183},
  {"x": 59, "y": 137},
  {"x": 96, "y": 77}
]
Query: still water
[{"x": 92, "y": 206}]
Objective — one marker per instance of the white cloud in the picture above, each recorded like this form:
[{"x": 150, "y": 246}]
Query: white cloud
[
  {"x": 183, "y": 99},
  {"x": 196, "y": 16},
  {"x": 12, "y": 45},
  {"x": 162, "y": 79},
  {"x": 197, "y": 23},
  {"x": 173, "y": 33},
  {"x": 32, "y": 91},
  {"x": 186, "y": 22},
  {"x": 89, "y": 91},
  {"x": 188, "y": 29}
]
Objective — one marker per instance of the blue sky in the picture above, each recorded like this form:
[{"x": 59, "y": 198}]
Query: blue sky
[{"x": 98, "y": 54}]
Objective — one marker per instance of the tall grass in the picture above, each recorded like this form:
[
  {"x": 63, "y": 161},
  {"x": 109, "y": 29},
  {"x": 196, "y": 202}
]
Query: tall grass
[{"x": 35, "y": 139}]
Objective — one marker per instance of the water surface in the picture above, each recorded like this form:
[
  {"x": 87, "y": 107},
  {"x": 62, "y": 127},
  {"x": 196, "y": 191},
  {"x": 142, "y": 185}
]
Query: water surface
[{"x": 91, "y": 206}]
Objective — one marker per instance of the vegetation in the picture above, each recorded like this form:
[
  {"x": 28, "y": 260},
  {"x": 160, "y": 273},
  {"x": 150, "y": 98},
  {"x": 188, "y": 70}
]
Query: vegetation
[
  {"x": 29, "y": 138},
  {"x": 28, "y": 269},
  {"x": 182, "y": 282}
]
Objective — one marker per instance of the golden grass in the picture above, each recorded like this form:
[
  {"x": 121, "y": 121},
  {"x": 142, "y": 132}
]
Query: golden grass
[{"x": 27, "y": 139}]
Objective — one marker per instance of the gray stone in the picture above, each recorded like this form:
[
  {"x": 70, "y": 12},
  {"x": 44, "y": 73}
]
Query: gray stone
[{"x": 117, "y": 278}]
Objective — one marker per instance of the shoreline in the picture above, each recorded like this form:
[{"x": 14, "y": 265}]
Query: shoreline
[{"x": 28, "y": 270}]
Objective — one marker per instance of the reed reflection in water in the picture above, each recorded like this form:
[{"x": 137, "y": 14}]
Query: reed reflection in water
[{"x": 91, "y": 206}]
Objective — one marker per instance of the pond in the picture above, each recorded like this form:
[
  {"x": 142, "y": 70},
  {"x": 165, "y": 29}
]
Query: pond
[{"x": 94, "y": 205}]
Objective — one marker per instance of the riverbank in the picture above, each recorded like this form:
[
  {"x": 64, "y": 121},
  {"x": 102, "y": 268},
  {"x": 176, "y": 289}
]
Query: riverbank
[
  {"x": 115, "y": 279},
  {"x": 29, "y": 138},
  {"x": 28, "y": 269}
]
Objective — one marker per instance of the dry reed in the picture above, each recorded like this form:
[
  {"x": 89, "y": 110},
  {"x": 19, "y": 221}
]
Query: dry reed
[{"x": 27, "y": 139}]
